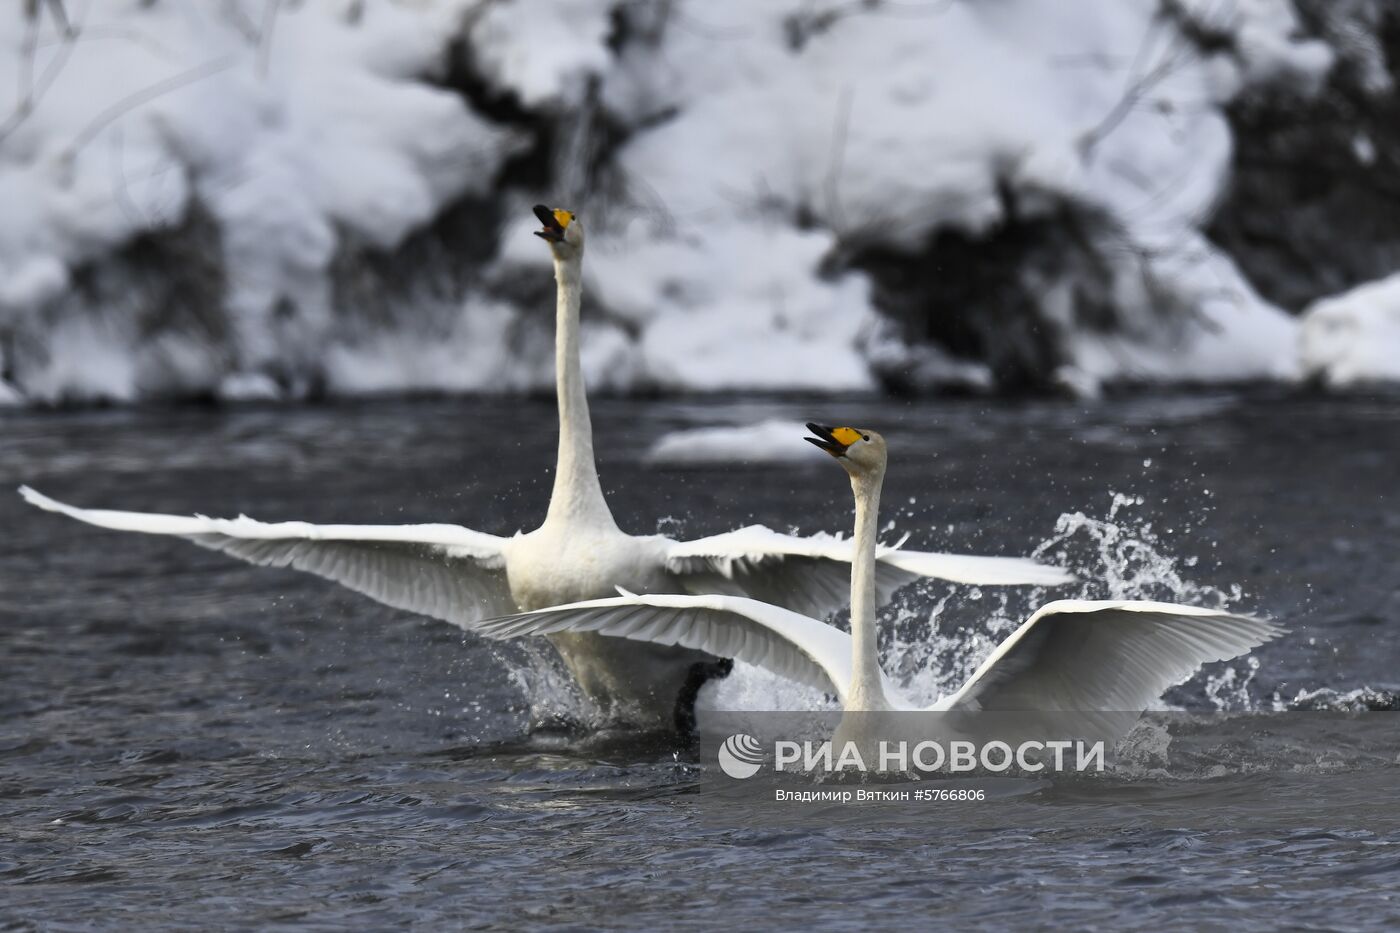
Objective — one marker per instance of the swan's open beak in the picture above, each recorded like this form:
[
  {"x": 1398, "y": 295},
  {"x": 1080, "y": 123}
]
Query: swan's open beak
[
  {"x": 834, "y": 441},
  {"x": 555, "y": 222}
]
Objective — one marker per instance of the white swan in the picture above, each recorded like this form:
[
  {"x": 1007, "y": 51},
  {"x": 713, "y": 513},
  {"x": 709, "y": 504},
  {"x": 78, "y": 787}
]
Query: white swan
[
  {"x": 1071, "y": 655},
  {"x": 462, "y": 576}
]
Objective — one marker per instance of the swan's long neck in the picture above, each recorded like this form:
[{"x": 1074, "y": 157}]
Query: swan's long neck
[
  {"x": 577, "y": 495},
  {"x": 867, "y": 691}
]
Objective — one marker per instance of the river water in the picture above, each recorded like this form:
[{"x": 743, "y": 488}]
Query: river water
[{"x": 186, "y": 740}]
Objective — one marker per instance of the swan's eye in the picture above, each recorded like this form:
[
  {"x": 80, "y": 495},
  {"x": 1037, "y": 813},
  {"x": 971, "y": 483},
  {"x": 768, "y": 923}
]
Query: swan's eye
[{"x": 865, "y": 437}]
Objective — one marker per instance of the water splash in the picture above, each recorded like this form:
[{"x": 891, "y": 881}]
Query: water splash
[
  {"x": 1120, "y": 557},
  {"x": 1145, "y": 752},
  {"x": 938, "y": 641},
  {"x": 537, "y": 671},
  {"x": 1229, "y": 689},
  {"x": 1362, "y": 699},
  {"x": 750, "y": 688}
]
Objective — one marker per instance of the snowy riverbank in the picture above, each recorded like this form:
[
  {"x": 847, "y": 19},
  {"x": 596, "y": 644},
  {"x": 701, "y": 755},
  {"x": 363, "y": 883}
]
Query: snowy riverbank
[{"x": 245, "y": 199}]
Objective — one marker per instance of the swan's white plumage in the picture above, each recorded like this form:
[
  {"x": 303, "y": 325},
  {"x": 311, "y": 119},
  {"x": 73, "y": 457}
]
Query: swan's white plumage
[
  {"x": 1092, "y": 655},
  {"x": 973, "y": 569},
  {"x": 811, "y": 574},
  {"x": 453, "y": 573},
  {"x": 1077, "y": 654},
  {"x": 785, "y": 642},
  {"x": 450, "y": 572},
  {"x": 454, "y": 540},
  {"x": 444, "y": 571}
]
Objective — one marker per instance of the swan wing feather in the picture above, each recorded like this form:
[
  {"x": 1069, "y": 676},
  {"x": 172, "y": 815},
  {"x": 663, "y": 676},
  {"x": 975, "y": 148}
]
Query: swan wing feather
[
  {"x": 444, "y": 571},
  {"x": 1105, "y": 655},
  {"x": 811, "y": 574},
  {"x": 785, "y": 642}
]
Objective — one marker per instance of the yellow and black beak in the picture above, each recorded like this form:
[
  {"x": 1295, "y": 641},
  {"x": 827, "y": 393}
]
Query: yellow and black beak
[
  {"x": 555, "y": 223},
  {"x": 835, "y": 441}
]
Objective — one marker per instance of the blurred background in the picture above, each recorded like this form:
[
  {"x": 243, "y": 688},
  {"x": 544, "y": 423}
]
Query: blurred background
[{"x": 284, "y": 199}]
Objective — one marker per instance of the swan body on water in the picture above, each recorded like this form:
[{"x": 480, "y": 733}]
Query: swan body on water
[
  {"x": 1090, "y": 656},
  {"x": 463, "y": 576}
]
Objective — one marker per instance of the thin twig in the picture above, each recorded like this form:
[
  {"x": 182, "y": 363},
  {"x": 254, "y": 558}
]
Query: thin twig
[
  {"x": 839, "y": 134},
  {"x": 120, "y": 188},
  {"x": 103, "y": 32},
  {"x": 143, "y": 96},
  {"x": 29, "y": 50},
  {"x": 1128, "y": 102},
  {"x": 1138, "y": 85},
  {"x": 60, "y": 18},
  {"x": 265, "y": 33},
  {"x": 34, "y": 91}
]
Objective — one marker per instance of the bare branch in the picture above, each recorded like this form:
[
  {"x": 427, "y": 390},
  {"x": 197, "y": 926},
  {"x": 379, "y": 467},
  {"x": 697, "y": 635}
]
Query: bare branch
[
  {"x": 265, "y": 33},
  {"x": 60, "y": 18},
  {"x": 1185, "y": 46},
  {"x": 121, "y": 188},
  {"x": 106, "y": 32},
  {"x": 144, "y": 96},
  {"x": 840, "y": 133},
  {"x": 1138, "y": 87},
  {"x": 33, "y": 91}
]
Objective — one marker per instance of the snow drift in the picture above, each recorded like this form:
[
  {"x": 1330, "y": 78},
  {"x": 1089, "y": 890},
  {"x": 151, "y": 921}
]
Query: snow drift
[
  {"x": 243, "y": 198},
  {"x": 773, "y": 441},
  {"x": 1354, "y": 338}
]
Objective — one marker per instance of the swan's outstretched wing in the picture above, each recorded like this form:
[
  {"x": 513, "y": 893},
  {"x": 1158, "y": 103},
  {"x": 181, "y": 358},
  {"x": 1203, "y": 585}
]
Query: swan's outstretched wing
[
  {"x": 1104, "y": 655},
  {"x": 812, "y": 574},
  {"x": 444, "y": 571},
  {"x": 782, "y": 641}
]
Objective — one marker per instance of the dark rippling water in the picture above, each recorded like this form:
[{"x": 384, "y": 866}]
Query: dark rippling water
[{"x": 189, "y": 741}]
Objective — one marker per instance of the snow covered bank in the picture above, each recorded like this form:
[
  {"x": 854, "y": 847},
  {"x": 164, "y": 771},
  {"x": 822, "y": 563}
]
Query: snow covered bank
[
  {"x": 252, "y": 199},
  {"x": 773, "y": 441},
  {"x": 1354, "y": 338},
  {"x": 293, "y": 129}
]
